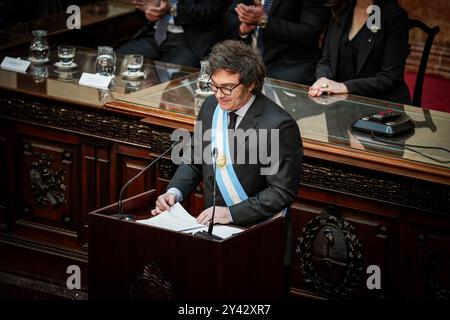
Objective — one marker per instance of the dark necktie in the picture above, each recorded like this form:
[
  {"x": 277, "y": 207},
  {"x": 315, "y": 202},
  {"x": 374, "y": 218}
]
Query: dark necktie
[
  {"x": 161, "y": 27},
  {"x": 233, "y": 118},
  {"x": 231, "y": 126}
]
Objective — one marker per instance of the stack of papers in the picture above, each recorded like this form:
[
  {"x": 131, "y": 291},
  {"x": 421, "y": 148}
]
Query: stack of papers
[{"x": 178, "y": 219}]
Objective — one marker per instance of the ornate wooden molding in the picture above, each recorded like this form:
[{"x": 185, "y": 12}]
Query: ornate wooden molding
[
  {"x": 85, "y": 121},
  {"x": 342, "y": 174},
  {"x": 330, "y": 255},
  {"x": 375, "y": 185}
]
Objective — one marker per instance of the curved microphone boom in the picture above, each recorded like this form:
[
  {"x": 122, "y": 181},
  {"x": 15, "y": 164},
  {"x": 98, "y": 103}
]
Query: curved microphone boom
[{"x": 120, "y": 201}]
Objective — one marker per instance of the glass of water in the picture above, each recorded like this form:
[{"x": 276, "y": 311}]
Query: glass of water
[
  {"x": 66, "y": 55},
  {"x": 203, "y": 78},
  {"x": 106, "y": 61},
  {"x": 39, "y": 48},
  {"x": 134, "y": 63}
]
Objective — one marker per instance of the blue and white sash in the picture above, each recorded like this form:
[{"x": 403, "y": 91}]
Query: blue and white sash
[{"x": 227, "y": 181}]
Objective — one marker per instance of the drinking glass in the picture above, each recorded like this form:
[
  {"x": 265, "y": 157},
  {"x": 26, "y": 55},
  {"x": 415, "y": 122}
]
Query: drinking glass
[
  {"x": 39, "y": 73},
  {"x": 203, "y": 78},
  {"x": 106, "y": 61},
  {"x": 134, "y": 63},
  {"x": 39, "y": 48},
  {"x": 66, "y": 55}
]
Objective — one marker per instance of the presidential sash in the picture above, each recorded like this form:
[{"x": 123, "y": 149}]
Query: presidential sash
[{"x": 227, "y": 181}]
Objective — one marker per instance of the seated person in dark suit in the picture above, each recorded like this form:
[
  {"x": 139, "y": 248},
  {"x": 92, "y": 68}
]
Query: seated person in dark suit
[
  {"x": 179, "y": 32},
  {"x": 363, "y": 61},
  {"x": 286, "y": 31}
]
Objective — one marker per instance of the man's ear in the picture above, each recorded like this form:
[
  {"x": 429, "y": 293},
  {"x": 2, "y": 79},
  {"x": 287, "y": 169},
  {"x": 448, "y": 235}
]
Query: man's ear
[{"x": 251, "y": 87}]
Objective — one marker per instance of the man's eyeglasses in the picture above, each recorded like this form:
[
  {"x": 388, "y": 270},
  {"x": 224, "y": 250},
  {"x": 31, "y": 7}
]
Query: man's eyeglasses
[{"x": 225, "y": 90}]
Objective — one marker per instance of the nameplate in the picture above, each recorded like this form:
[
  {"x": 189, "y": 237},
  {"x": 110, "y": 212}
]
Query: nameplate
[
  {"x": 95, "y": 80},
  {"x": 15, "y": 64}
]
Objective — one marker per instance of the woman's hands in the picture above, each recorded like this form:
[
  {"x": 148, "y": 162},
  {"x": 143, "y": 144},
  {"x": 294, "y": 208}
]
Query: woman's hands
[{"x": 324, "y": 85}]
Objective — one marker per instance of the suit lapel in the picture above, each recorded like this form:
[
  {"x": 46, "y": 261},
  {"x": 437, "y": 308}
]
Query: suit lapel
[
  {"x": 250, "y": 119},
  {"x": 275, "y": 4},
  {"x": 337, "y": 34}
]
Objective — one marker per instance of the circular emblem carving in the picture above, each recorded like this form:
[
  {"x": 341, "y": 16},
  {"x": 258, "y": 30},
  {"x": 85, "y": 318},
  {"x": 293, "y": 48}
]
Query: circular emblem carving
[
  {"x": 151, "y": 285},
  {"x": 330, "y": 254}
]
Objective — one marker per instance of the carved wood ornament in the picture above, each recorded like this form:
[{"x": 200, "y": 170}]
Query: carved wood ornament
[
  {"x": 47, "y": 184},
  {"x": 151, "y": 284},
  {"x": 330, "y": 255}
]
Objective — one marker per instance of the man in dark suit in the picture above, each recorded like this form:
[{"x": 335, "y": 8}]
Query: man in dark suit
[
  {"x": 248, "y": 193},
  {"x": 237, "y": 78},
  {"x": 179, "y": 32},
  {"x": 286, "y": 31}
]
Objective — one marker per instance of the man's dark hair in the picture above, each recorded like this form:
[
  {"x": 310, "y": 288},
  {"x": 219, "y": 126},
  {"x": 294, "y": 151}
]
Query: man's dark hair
[{"x": 237, "y": 57}]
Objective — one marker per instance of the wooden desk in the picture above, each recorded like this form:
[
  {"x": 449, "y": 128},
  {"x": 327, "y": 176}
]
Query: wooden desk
[
  {"x": 389, "y": 206},
  {"x": 108, "y": 22}
]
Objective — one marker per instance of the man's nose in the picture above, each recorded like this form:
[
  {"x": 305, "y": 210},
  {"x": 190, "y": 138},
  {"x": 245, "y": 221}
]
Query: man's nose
[{"x": 220, "y": 94}]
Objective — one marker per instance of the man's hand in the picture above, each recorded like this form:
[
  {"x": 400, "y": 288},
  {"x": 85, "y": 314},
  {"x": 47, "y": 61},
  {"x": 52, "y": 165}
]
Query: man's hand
[
  {"x": 139, "y": 4},
  {"x": 249, "y": 14},
  {"x": 163, "y": 203},
  {"x": 222, "y": 216},
  {"x": 155, "y": 13},
  {"x": 328, "y": 86},
  {"x": 246, "y": 28}
]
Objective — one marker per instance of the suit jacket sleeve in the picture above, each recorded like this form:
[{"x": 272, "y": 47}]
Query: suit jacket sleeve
[
  {"x": 323, "y": 68},
  {"x": 281, "y": 187},
  {"x": 393, "y": 64},
  {"x": 306, "y": 32},
  {"x": 199, "y": 12},
  {"x": 232, "y": 22},
  {"x": 189, "y": 173}
]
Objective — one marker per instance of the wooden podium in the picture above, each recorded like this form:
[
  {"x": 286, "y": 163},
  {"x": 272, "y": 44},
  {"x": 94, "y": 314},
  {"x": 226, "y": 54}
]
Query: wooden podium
[{"x": 129, "y": 260}]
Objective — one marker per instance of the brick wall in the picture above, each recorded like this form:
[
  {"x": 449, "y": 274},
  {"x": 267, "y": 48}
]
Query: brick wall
[{"x": 432, "y": 13}]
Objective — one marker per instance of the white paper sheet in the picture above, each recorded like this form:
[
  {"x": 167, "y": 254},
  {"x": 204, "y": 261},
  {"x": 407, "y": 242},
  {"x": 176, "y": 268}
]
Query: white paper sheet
[
  {"x": 177, "y": 219},
  {"x": 219, "y": 230},
  {"x": 15, "y": 64},
  {"x": 94, "y": 80}
]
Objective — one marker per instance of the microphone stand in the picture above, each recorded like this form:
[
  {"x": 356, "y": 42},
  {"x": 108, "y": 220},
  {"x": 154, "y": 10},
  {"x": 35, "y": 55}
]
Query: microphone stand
[
  {"x": 209, "y": 234},
  {"x": 130, "y": 217}
]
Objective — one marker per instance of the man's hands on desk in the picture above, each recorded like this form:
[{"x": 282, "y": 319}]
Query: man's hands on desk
[{"x": 166, "y": 200}]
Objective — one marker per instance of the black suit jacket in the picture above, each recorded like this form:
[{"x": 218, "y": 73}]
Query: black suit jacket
[
  {"x": 267, "y": 195},
  {"x": 381, "y": 63},
  {"x": 292, "y": 32},
  {"x": 202, "y": 22}
]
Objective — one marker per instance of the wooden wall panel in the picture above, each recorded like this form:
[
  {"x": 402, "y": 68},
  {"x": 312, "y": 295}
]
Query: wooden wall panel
[{"x": 3, "y": 176}]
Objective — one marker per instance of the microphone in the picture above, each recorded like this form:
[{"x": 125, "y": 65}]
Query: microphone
[
  {"x": 130, "y": 217},
  {"x": 211, "y": 223},
  {"x": 209, "y": 233}
]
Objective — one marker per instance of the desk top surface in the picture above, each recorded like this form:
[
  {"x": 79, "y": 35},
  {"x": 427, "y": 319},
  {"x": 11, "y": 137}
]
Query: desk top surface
[
  {"x": 47, "y": 80},
  {"x": 171, "y": 90},
  {"x": 326, "y": 119},
  {"x": 97, "y": 12}
]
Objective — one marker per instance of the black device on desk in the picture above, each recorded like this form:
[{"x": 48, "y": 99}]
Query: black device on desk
[{"x": 387, "y": 123}]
